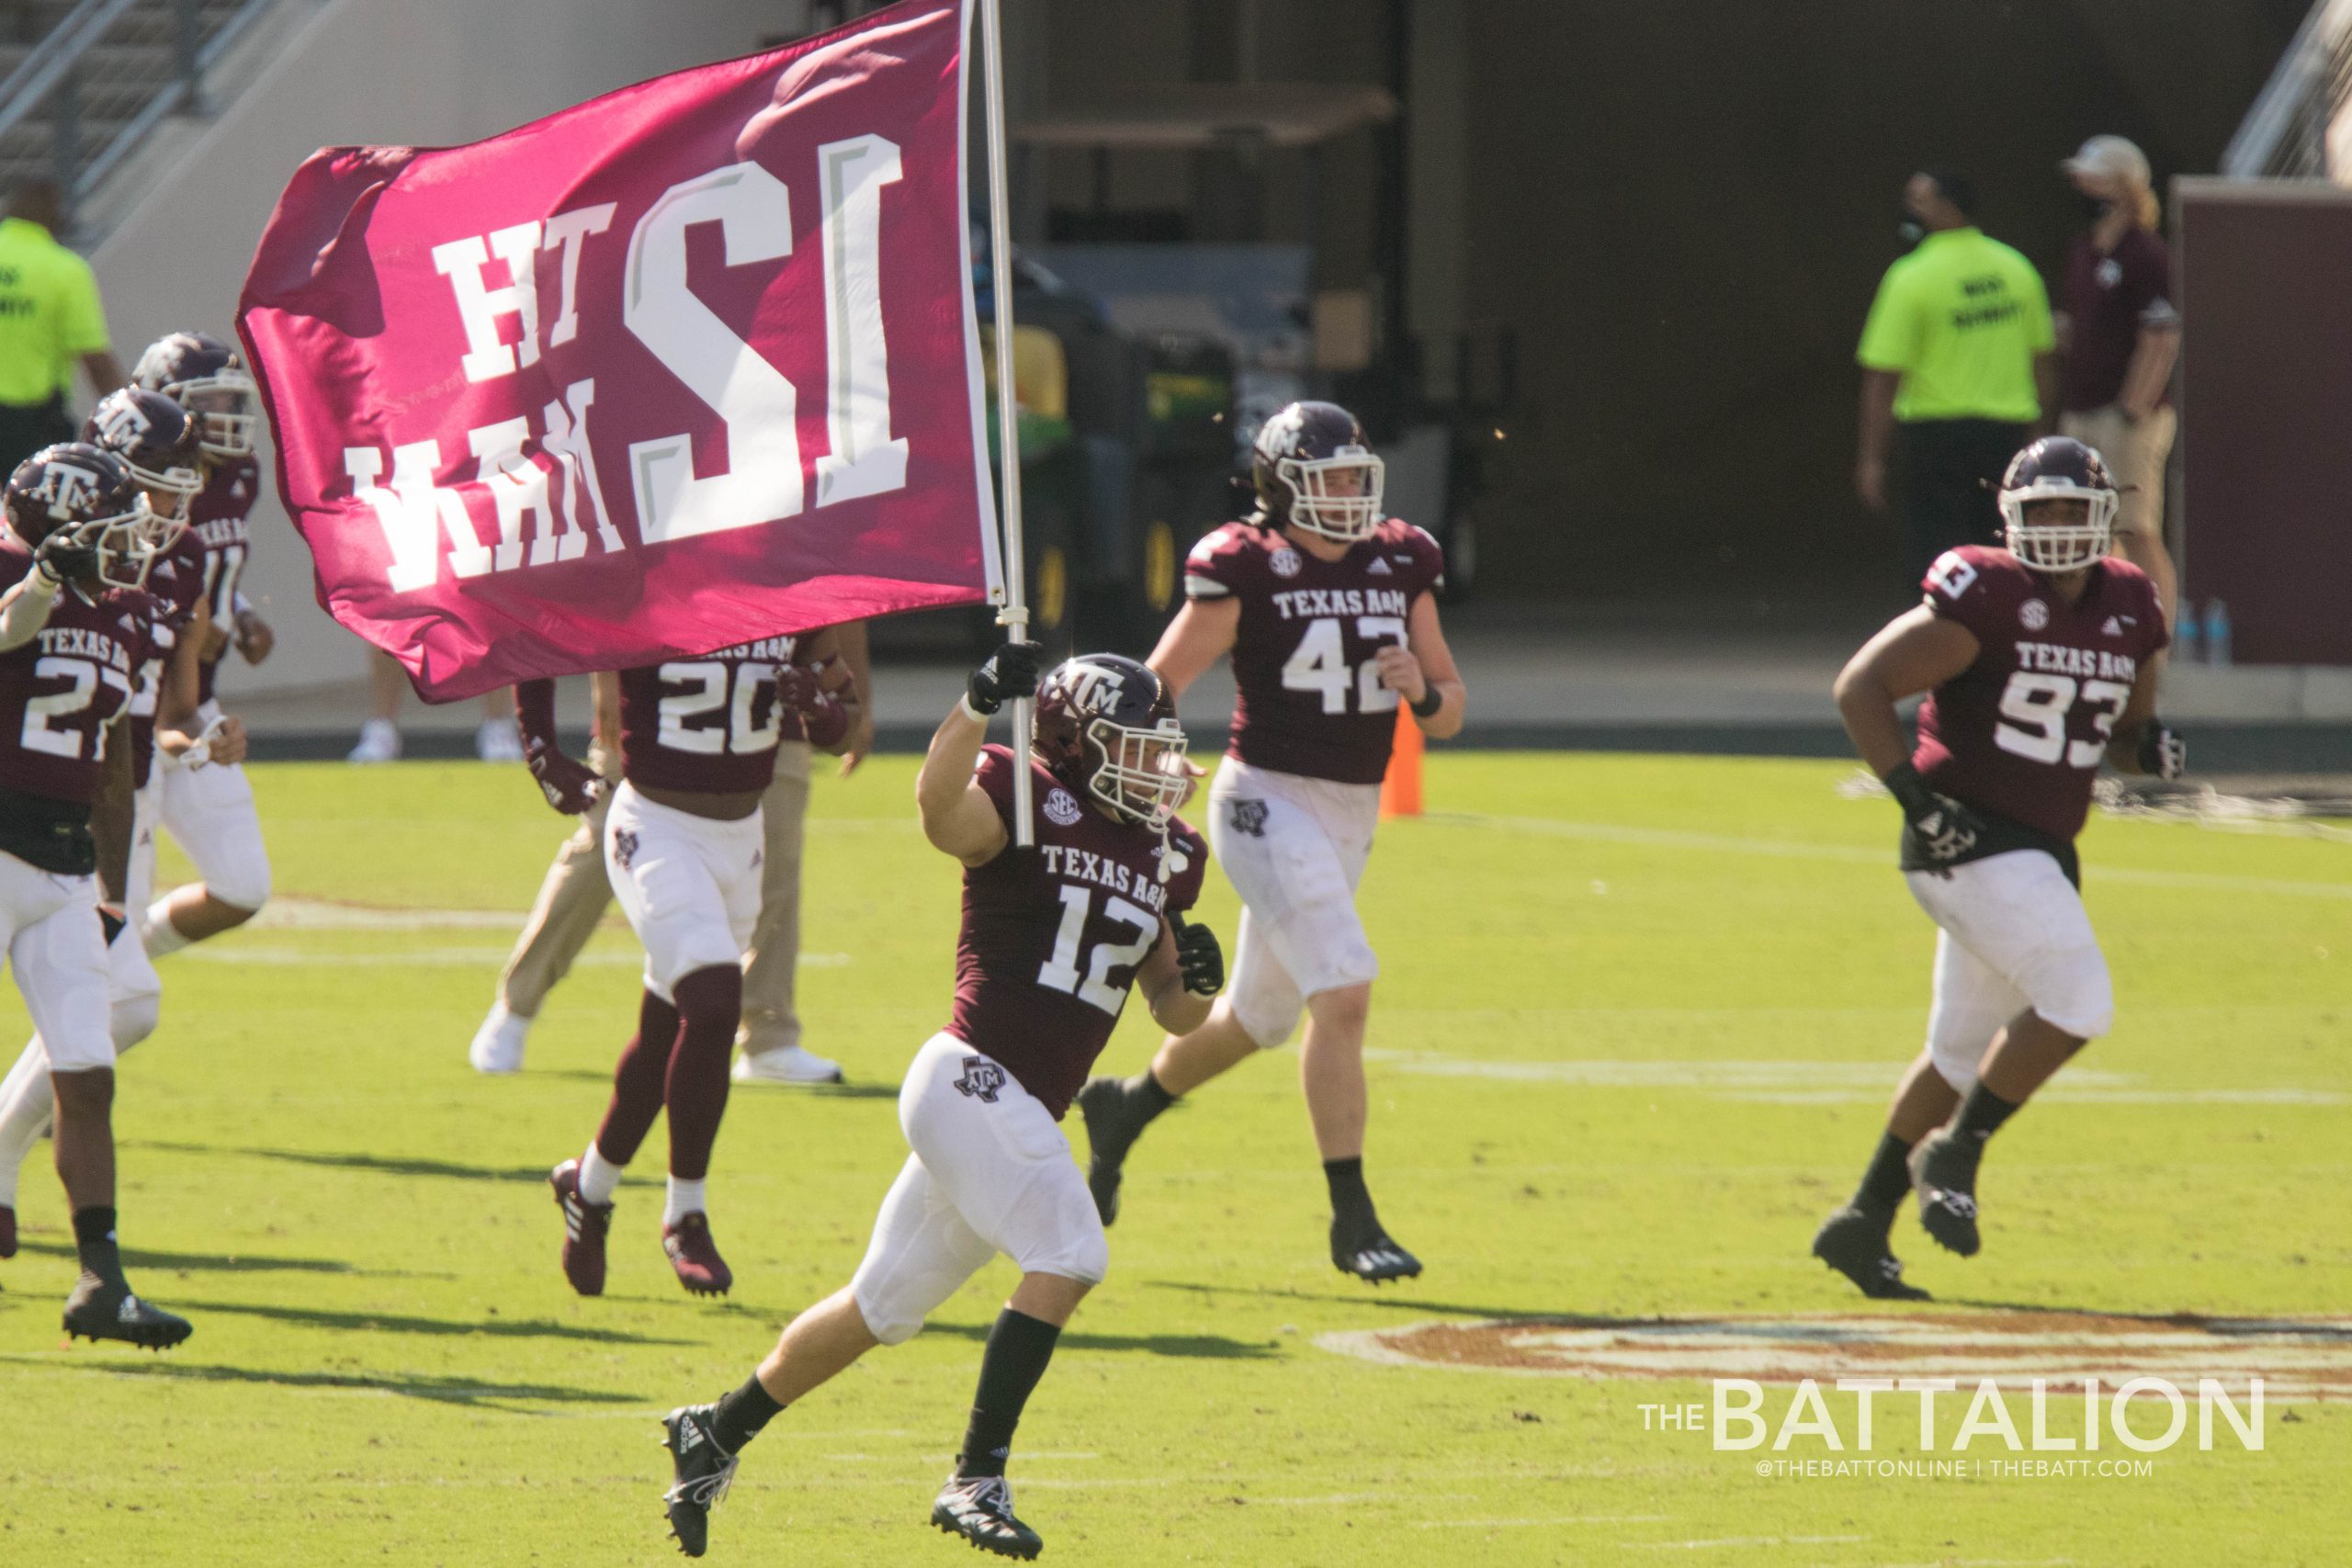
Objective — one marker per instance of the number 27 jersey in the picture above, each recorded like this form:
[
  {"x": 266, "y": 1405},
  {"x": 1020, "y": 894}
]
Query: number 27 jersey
[
  {"x": 1310, "y": 701},
  {"x": 2021, "y": 731}
]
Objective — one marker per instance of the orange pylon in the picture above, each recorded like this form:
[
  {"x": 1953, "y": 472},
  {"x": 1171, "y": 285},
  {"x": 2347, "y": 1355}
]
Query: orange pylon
[{"x": 1401, "y": 792}]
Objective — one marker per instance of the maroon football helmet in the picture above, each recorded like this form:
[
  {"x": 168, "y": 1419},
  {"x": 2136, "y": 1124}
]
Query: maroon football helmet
[
  {"x": 157, "y": 441},
  {"x": 1107, "y": 726},
  {"x": 2058, "y": 467},
  {"x": 1313, "y": 469},
  {"x": 91, "y": 496},
  {"x": 207, "y": 379}
]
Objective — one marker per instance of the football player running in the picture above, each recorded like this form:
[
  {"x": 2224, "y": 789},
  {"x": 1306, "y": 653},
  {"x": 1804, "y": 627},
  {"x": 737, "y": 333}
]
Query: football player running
[
  {"x": 74, "y": 631},
  {"x": 1330, "y": 612},
  {"x": 157, "y": 442},
  {"x": 1053, "y": 938},
  {"x": 209, "y": 811},
  {"x": 682, "y": 839},
  {"x": 2040, "y": 661}
]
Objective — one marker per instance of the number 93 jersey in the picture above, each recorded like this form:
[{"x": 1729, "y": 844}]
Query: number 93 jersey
[
  {"x": 2020, "y": 732},
  {"x": 1304, "y": 655},
  {"x": 709, "y": 724},
  {"x": 59, "y": 691},
  {"x": 1053, "y": 935}
]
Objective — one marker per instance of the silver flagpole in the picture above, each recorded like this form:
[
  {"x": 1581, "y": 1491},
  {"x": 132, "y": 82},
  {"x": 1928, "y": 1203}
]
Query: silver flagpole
[{"x": 1014, "y": 617}]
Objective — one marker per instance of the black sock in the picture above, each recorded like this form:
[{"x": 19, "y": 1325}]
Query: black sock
[
  {"x": 740, "y": 1414},
  {"x": 1887, "y": 1181},
  {"x": 1982, "y": 1113},
  {"x": 1350, "y": 1201},
  {"x": 1145, "y": 1093},
  {"x": 1019, "y": 1348},
  {"x": 93, "y": 1240}
]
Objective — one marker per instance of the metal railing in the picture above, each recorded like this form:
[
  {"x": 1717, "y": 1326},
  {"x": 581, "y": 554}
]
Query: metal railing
[
  {"x": 2286, "y": 134},
  {"x": 52, "y": 82}
]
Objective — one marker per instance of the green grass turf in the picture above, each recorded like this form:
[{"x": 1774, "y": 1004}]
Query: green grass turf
[{"x": 388, "y": 1366}]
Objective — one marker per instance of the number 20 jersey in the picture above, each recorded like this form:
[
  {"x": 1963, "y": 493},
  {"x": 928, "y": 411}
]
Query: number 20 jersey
[
  {"x": 2020, "y": 732},
  {"x": 1311, "y": 699},
  {"x": 707, "y": 726},
  {"x": 1053, "y": 935}
]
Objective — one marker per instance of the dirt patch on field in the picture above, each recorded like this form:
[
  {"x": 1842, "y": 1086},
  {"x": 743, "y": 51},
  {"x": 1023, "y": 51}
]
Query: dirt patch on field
[{"x": 2308, "y": 1358}]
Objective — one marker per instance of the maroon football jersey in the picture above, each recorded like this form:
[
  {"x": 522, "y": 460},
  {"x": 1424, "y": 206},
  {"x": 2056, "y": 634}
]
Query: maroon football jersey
[
  {"x": 1053, "y": 935},
  {"x": 709, "y": 724},
  {"x": 1310, "y": 701},
  {"x": 2021, "y": 732},
  {"x": 176, "y": 579},
  {"x": 216, "y": 516},
  {"x": 59, "y": 691}
]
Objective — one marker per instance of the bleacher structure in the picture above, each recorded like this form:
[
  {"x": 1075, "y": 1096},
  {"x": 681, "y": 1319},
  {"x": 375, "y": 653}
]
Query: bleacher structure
[{"x": 2301, "y": 128}]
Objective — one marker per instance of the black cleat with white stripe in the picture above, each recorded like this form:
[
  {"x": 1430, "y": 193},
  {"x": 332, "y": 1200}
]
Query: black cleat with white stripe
[
  {"x": 1944, "y": 1173},
  {"x": 1363, "y": 1249},
  {"x": 106, "y": 1309},
  {"x": 1854, "y": 1242},
  {"x": 701, "y": 1473},
  {"x": 979, "y": 1508}
]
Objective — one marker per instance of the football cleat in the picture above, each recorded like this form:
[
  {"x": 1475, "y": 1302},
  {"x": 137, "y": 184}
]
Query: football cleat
[
  {"x": 7, "y": 1231},
  {"x": 1371, "y": 1255},
  {"x": 1111, "y": 1127},
  {"x": 696, "y": 1256},
  {"x": 584, "y": 1228},
  {"x": 498, "y": 1044},
  {"x": 979, "y": 1508},
  {"x": 496, "y": 741},
  {"x": 1944, "y": 1173},
  {"x": 1854, "y": 1244},
  {"x": 784, "y": 1064},
  {"x": 701, "y": 1473},
  {"x": 106, "y": 1309}
]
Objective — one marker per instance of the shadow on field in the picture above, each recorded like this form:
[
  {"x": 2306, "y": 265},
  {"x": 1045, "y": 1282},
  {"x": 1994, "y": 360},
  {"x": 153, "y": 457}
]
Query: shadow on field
[
  {"x": 1215, "y": 1346},
  {"x": 378, "y": 1164},
  {"x": 447, "y": 1391},
  {"x": 816, "y": 1090},
  {"x": 1370, "y": 1296},
  {"x": 396, "y": 1323},
  {"x": 206, "y": 1262}
]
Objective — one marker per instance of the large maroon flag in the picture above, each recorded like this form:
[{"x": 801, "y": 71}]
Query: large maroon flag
[{"x": 689, "y": 364}]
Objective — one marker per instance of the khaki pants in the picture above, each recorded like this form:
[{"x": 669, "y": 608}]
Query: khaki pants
[
  {"x": 574, "y": 895},
  {"x": 2136, "y": 455}
]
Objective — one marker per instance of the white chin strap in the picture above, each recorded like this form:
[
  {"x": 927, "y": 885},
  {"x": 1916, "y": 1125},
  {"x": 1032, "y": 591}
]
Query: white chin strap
[{"x": 1315, "y": 508}]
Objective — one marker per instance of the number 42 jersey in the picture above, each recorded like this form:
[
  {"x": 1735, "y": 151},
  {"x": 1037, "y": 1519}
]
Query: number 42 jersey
[
  {"x": 1305, "y": 654},
  {"x": 1053, "y": 935},
  {"x": 2020, "y": 732}
]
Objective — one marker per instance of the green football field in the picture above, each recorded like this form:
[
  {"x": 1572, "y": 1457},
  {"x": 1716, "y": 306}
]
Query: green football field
[{"x": 1635, "y": 1033}]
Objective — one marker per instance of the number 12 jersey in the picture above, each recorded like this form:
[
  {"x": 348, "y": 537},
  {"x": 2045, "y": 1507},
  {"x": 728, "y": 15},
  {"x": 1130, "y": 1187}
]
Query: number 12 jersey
[{"x": 1305, "y": 654}]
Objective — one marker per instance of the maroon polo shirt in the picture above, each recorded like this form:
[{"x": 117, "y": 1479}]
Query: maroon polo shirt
[{"x": 2112, "y": 297}]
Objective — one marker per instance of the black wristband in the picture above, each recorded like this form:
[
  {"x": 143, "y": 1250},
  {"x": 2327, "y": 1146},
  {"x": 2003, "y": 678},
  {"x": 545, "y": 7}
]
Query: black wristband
[
  {"x": 1431, "y": 700},
  {"x": 1903, "y": 783}
]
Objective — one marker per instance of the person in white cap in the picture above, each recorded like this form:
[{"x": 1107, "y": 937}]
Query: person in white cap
[{"x": 2118, "y": 337}]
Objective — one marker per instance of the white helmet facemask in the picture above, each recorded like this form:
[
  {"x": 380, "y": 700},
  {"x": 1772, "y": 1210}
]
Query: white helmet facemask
[
  {"x": 1320, "y": 508},
  {"x": 2059, "y": 547},
  {"x": 222, "y": 404},
  {"x": 1142, "y": 775}
]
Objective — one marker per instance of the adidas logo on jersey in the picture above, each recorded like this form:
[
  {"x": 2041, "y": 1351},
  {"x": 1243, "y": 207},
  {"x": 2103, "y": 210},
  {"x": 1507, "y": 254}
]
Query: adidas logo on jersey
[
  {"x": 2114, "y": 628},
  {"x": 1379, "y": 568}
]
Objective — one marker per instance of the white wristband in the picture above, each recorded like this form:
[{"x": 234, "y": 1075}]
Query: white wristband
[{"x": 975, "y": 714}]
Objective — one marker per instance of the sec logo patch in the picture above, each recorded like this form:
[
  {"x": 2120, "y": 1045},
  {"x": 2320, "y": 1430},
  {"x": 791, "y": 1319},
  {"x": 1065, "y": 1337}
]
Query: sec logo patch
[
  {"x": 1284, "y": 562},
  {"x": 1061, "y": 809},
  {"x": 2034, "y": 614}
]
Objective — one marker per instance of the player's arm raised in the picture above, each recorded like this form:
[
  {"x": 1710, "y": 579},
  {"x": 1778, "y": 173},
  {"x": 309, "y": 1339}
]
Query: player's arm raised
[
  {"x": 2141, "y": 742},
  {"x": 958, "y": 818},
  {"x": 1182, "y": 975},
  {"x": 1423, "y": 673},
  {"x": 1914, "y": 652},
  {"x": 1202, "y": 633}
]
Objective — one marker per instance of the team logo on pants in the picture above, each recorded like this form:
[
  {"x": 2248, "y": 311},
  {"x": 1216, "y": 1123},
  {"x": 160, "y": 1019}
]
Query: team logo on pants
[
  {"x": 981, "y": 1079},
  {"x": 624, "y": 847},
  {"x": 1248, "y": 816}
]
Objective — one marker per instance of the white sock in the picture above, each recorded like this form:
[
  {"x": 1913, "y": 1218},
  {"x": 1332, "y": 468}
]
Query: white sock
[
  {"x": 599, "y": 1177},
  {"x": 156, "y": 932},
  {"x": 26, "y": 1099},
  {"x": 686, "y": 1198}
]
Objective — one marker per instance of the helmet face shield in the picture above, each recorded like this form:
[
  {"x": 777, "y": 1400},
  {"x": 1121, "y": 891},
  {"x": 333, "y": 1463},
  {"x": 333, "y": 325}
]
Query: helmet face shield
[
  {"x": 222, "y": 404},
  {"x": 125, "y": 543},
  {"x": 1141, "y": 775},
  {"x": 1336, "y": 497}
]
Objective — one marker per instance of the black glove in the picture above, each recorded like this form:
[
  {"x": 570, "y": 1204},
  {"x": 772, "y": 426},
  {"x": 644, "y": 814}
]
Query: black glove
[
  {"x": 1198, "y": 957},
  {"x": 1946, "y": 828},
  {"x": 2162, "y": 754},
  {"x": 824, "y": 715},
  {"x": 63, "y": 560},
  {"x": 1011, "y": 672},
  {"x": 571, "y": 787}
]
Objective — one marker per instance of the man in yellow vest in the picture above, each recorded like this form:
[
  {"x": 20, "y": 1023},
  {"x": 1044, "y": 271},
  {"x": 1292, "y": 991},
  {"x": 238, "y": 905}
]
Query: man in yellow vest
[
  {"x": 51, "y": 319},
  {"x": 1957, "y": 356}
]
